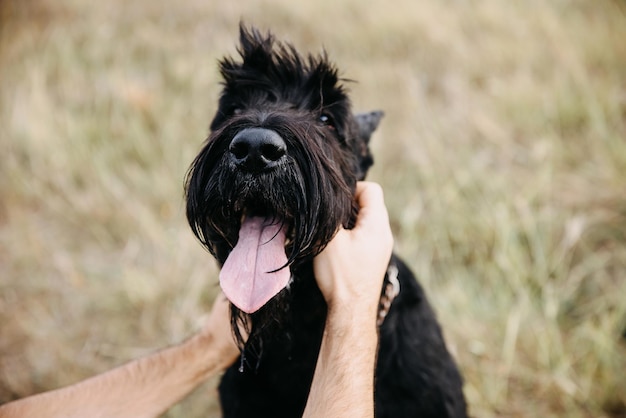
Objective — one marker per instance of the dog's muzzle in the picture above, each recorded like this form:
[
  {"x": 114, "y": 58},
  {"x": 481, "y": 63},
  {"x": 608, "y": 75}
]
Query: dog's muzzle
[{"x": 257, "y": 149}]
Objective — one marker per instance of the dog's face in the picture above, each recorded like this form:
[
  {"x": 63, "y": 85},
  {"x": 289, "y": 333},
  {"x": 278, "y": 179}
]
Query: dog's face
[{"x": 277, "y": 175}]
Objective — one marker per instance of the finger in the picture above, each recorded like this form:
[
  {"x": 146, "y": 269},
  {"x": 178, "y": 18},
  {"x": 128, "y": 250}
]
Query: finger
[
  {"x": 369, "y": 194},
  {"x": 372, "y": 204}
]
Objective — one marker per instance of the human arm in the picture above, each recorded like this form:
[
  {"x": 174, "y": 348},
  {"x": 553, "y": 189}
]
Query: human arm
[
  {"x": 141, "y": 388},
  {"x": 350, "y": 273}
]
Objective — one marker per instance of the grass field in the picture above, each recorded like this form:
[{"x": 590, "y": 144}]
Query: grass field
[{"x": 502, "y": 153}]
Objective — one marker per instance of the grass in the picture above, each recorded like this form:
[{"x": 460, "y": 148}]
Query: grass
[{"x": 502, "y": 153}]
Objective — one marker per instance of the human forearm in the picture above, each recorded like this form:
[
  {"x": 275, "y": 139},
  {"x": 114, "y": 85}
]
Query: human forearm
[
  {"x": 141, "y": 388},
  {"x": 343, "y": 385}
]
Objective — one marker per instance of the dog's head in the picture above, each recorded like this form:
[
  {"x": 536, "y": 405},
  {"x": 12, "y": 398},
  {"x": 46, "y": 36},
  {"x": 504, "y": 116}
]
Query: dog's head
[{"x": 277, "y": 175}]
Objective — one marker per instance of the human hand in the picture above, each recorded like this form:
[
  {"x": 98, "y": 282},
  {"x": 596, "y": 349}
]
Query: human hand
[
  {"x": 218, "y": 333},
  {"x": 351, "y": 269}
]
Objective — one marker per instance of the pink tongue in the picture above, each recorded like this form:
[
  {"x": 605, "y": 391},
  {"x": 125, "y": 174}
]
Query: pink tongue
[{"x": 245, "y": 277}]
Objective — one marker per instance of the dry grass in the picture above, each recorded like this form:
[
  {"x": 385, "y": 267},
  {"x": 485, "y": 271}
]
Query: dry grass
[{"x": 503, "y": 156}]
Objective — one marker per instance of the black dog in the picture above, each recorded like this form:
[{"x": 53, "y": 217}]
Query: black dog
[{"x": 267, "y": 192}]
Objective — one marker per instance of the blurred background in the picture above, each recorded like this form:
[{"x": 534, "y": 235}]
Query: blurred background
[{"x": 502, "y": 153}]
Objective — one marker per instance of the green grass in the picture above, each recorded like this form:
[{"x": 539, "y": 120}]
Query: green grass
[{"x": 502, "y": 153}]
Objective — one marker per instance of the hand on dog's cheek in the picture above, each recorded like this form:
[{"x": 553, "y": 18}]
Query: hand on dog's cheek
[{"x": 351, "y": 269}]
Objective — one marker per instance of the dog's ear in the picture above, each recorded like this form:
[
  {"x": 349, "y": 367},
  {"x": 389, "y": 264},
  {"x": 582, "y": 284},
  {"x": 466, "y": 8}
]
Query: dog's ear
[{"x": 367, "y": 123}]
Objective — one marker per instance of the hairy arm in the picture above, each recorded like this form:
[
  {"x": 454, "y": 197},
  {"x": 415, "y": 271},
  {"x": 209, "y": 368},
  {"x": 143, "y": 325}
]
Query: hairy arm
[
  {"x": 343, "y": 385},
  {"x": 142, "y": 388},
  {"x": 350, "y": 273}
]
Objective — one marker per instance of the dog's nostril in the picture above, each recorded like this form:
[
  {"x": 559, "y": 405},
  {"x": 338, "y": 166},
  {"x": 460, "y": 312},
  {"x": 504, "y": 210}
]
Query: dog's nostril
[
  {"x": 272, "y": 152},
  {"x": 239, "y": 149}
]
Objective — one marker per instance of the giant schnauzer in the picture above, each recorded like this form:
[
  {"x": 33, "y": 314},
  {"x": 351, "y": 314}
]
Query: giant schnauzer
[{"x": 274, "y": 181}]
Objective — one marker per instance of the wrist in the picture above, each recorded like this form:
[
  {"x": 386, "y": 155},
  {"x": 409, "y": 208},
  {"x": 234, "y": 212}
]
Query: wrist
[
  {"x": 212, "y": 356},
  {"x": 351, "y": 319},
  {"x": 355, "y": 308}
]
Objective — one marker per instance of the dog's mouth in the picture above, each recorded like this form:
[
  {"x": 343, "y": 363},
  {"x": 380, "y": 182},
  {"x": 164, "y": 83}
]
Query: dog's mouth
[{"x": 256, "y": 269}]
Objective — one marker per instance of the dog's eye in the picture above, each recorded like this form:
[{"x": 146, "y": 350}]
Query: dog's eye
[
  {"x": 236, "y": 111},
  {"x": 327, "y": 120}
]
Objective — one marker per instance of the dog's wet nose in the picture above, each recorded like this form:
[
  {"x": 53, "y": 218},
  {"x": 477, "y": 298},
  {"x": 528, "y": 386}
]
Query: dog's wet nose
[{"x": 257, "y": 149}]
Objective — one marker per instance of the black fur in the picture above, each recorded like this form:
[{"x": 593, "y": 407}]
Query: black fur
[{"x": 308, "y": 186}]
